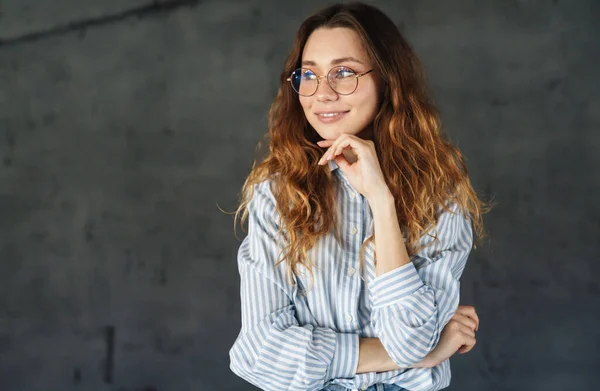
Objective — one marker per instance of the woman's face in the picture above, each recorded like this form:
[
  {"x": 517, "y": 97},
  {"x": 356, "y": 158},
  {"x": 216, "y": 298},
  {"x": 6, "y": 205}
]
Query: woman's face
[{"x": 332, "y": 114}]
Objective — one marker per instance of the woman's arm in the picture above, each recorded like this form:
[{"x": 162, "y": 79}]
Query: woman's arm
[
  {"x": 273, "y": 351},
  {"x": 389, "y": 246},
  {"x": 414, "y": 300},
  {"x": 374, "y": 358},
  {"x": 458, "y": 335}
]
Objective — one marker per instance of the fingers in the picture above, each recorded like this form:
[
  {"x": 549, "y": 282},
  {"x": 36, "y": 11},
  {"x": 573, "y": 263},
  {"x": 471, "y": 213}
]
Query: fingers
[
  {"x": 338, "y": 150},
  {"x": 327, "y": 155},
  {"x": 325, "y": 143},
  {"x": 463, "y": 335},
  {"x": 466, "y": 348},
  {"x": 469, "y": 343},
  {"x": 345, "y": 141},
  {"x": 465, "y": 321},
  {"x": 341, "y": 143},
  {"x": 466, "y": 330},
  {"x": 456, "y": 329},
  {"x": 469, "y": 311}
]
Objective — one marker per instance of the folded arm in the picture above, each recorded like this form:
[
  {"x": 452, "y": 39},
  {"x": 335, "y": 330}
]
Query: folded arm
[
  {"x": 273, "y": 351},
  {"x": 413, "y": 299}
]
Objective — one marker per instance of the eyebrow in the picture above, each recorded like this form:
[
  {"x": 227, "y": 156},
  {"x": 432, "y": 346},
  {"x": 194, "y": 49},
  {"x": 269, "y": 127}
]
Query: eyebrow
[{"x": 336, "y": 61}]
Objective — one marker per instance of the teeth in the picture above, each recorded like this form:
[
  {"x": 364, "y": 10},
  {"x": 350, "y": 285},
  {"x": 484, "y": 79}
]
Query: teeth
[{"x": 329, "y": 114}]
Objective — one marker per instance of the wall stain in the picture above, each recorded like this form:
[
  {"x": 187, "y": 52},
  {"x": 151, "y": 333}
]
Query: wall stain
[
  {"x": 80, "y": 26},
  {"x": 76, "y": 376},
  {"x": 109, "y": 363}
]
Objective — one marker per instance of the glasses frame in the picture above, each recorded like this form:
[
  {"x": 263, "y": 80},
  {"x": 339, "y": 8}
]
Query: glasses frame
[{"x": 356, "y": 75}]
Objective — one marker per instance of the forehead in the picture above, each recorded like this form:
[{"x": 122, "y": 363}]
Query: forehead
[{"x": 327, "y": 44}]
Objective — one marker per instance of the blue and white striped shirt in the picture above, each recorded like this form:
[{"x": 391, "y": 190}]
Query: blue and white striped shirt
[{"x": 293, "y": 338}]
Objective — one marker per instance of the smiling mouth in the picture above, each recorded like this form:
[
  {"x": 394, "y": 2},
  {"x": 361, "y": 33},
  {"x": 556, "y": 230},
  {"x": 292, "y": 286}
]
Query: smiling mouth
[{"x": 332, "y": 114}]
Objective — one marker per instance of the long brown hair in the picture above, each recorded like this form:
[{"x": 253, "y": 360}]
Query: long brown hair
[{"x": 422, "y": 169}]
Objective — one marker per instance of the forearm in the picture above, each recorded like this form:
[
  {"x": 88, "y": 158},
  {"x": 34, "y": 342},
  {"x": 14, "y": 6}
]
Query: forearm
[
  {"x": 389, "y": 245},
  {"x": 279, "y": 354},
  {"x": 372, "y": 357},
  {"x": 404, "y": 310}
]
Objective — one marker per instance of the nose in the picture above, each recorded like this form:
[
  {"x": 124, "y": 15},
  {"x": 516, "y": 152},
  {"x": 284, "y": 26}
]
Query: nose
[{"x": 325, "y": 92}]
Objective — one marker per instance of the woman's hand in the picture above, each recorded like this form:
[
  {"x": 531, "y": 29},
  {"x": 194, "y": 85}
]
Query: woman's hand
[
  {"x": 467, "y": 316},
  {"x": 457, "y": 336},
  {"x": 364, "y": 174}
]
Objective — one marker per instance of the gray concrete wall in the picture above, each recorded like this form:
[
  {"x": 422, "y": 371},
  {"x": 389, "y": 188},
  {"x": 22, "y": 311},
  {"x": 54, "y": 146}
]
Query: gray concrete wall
[{"x": 123, "y": 124}]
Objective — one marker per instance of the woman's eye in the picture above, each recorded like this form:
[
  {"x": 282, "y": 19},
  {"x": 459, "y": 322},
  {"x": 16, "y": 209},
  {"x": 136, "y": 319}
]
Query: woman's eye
[
  {"x": 343, "y": 73},
  {"x": 309, "y": 76}
]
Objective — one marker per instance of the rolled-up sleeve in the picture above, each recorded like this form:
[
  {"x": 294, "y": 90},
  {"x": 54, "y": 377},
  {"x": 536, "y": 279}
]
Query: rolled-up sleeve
[
  {"x": 273, "y": 351},
  {"x": 413, "y": 303}
]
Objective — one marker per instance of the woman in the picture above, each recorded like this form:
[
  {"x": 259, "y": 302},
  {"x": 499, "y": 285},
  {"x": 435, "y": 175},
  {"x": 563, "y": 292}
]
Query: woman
[{"x": 355, "y": 154}]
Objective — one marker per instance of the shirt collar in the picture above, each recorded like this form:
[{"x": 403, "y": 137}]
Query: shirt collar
[
  {"x": 334, "y": 168},
  {"x": 332, "y": 165}
]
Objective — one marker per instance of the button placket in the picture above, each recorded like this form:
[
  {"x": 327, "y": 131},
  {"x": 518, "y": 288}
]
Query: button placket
[{"x": 351, "y": 228}]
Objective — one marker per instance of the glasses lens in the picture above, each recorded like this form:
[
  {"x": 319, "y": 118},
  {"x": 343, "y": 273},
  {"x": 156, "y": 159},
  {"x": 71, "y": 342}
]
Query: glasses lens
[
  {"x": 304, "y": 81},
  {"x": 343, "y": 80}
]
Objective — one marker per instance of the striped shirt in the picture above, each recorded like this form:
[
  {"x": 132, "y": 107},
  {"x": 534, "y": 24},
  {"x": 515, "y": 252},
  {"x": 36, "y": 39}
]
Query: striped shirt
[{"x": 298, "y": 338}]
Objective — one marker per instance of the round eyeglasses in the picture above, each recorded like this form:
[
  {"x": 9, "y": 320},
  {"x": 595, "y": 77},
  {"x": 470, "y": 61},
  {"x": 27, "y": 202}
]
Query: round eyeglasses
[{"x": 342, "y": 80}]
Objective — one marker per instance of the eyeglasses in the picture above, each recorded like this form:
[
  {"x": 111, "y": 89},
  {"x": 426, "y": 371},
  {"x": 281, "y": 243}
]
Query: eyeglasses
[{"x": 342, "y": 80}]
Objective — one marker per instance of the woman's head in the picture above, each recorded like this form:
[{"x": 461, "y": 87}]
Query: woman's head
[
  {"x": 346, "y": 99},
  {"x": 359, "y": 37},
  {"x": 390, "y": 105}
]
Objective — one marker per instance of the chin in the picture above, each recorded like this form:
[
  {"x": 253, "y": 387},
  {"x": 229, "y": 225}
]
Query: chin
[{"x": 328, "y": 134}]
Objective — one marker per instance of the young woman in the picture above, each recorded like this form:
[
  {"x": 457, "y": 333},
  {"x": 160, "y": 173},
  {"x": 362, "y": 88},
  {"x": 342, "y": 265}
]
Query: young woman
[{"x": 361, "y": 219}]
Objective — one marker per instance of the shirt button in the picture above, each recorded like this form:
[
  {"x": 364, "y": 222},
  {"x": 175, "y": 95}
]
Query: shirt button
[
  {"x": 353, "y": 230},
  {"x": 349, "y": 318},
  {"x": 352, "y": 195},
  {"x": 364, "y": 387},
  {"x": 351, "y": 270}
]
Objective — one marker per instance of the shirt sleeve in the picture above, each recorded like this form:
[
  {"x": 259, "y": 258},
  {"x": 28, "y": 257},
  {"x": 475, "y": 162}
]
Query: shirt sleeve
[
  {"x": 273, "y": 351},
  {"x": 413, "y": 303}
]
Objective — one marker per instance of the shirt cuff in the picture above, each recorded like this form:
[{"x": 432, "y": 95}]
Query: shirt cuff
[
  {"x": 345, "y": 357},
  {"x": 394, "y": 285}
]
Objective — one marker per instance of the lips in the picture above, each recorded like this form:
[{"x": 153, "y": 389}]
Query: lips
[{"x": 330, "y": 116}]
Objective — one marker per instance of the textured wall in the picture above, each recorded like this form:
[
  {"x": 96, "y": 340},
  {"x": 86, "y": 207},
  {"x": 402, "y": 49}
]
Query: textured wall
[{"x": 124, "y": 123}]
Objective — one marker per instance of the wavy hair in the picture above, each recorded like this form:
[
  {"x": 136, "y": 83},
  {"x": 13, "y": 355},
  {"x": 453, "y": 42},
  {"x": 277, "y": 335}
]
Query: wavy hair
[{"x": 421, "y": 168}]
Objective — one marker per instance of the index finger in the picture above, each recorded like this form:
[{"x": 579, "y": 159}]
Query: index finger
[
  {"x": 469, "y": 311},
  {"x": 325, "y": 143}
]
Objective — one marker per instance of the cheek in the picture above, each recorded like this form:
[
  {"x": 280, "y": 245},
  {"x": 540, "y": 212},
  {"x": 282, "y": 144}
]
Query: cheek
[
  {"x": 306, "y": 103},
  {"x": 368, "y": 102},
  {"x": 373, "y": 96}
]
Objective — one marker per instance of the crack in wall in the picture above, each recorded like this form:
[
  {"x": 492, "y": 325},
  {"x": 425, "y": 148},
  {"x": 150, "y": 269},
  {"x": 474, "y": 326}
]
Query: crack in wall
[{"x": 154, "y": 8}]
